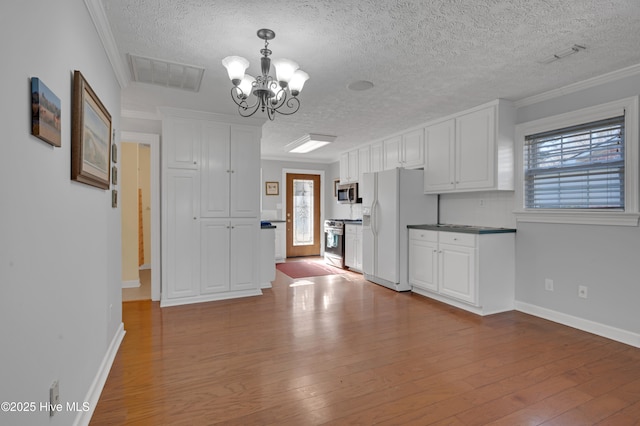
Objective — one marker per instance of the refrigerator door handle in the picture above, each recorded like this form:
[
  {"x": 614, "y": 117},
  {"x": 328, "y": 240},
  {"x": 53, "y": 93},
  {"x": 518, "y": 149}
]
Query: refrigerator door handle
[{"x": 374, "y": 225}]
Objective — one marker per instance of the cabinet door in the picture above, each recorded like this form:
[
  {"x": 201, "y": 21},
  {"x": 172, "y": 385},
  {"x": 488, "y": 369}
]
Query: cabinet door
[
  {"x": 475, "y": 145},
  {"x": 244, "y": 261},
  {"x": 358, "y": 248},
  {"x": 280, "y": 242},
  {"x": 344, "y": 168},
  {"x": 182, "y": 244},
  {"x": 423, "y": 265},
  {"x": 413, "y": 149},
  {"x": 377, "y": 157},
  {"x": 439, "y": 164},
  {"x": 350, "y": 246},
  {"x": 214, "y": 256},
  {"x": 364, "y": 162},
  {"x": 215, "y": 170},
  {"x": 245, "y": 171},
  {"x": 182, "y": 143},
  {"x": 353, "y": 166},
  {"x": 392, "y": 153},
  {"x": 457, "y": 272}
]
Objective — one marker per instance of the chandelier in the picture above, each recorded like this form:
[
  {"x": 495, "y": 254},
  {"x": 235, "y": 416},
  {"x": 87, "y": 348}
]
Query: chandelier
[{"x": 264, "y": 92}]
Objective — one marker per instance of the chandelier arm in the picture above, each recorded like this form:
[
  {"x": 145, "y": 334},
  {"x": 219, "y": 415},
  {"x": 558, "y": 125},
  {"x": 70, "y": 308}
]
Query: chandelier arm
[
  {"x": 293, "y": 105},
  {"x": 240, "y": 99},
  {"x": 248, "y": 111}
]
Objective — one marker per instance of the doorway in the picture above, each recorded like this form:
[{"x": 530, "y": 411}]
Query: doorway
[
  {"x": 146, "y": 209},
  {"x": 303, "y": 213}
]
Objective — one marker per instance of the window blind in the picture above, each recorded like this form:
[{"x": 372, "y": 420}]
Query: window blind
[{"x": 578, "y": 167}]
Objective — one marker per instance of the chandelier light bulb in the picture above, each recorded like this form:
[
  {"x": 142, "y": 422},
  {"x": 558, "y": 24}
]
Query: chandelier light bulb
[
  {"x": 236, "y": 66},
  {"x": 297, "y": 82}
]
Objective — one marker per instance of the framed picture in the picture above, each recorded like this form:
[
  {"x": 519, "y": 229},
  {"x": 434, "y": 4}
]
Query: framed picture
[
  {"x": 272, "y": 188},
  {"x": 90, "y": 136},
  {"x": 336, "y": 183},
  {"x": 45, "y": 113}
]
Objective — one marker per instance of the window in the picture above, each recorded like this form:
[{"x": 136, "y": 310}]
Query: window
[{"x": 578, "y": 167}]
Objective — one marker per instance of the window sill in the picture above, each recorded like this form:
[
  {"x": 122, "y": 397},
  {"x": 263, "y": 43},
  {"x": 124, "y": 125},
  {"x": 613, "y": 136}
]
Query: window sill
[{"x": 579, "y": 218}]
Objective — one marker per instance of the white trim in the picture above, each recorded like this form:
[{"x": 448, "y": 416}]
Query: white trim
[
  {"x": 144, "y": 267},
  {"x": 283, "y": 199},
  {"x": 93, "y": 395},
  {"x": 140, "y": 115},
  {"x": 131, "y": 284},
  {"x": 581, "y": 85},
  {"x": 579, "y": 218},
  {"x": 478, "y": 310},
  {"x": 631, "y": 215},
  {"x": 209, "y": 297},
  {"x": 152, "y": 140},
  {"x": 589, "y": 326},
  {"x": 210, "y": 116},
  {"x": 100, "y": 21}
]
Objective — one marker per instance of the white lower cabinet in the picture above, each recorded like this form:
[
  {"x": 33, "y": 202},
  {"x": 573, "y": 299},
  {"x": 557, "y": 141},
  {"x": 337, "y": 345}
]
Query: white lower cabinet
[
  {"x": 475, "y": 272},
  {"x": 228, "y": 251},
  {"x": 353, "y": 247},
  {"x": 281, "y": 241}
]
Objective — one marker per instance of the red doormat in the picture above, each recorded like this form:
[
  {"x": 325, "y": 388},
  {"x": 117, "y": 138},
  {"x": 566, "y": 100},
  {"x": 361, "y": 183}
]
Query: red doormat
[{"x": 304, "y": 268}]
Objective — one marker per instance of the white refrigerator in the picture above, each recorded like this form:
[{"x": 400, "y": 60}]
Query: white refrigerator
[{"x": 391, "y": 200}]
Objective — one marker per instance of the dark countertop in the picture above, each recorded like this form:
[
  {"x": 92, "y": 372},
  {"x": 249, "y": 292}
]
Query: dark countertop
[
  {"x": 352, "y": 221},
  {"x": 277, "y": 221},
  {"x": 268, "y": 227},
  {"x": 466, "y": 229}
]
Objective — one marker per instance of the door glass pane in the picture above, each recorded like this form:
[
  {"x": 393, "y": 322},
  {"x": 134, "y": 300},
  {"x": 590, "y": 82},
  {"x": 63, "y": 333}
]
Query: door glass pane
[{"x": 302, "y": 212}]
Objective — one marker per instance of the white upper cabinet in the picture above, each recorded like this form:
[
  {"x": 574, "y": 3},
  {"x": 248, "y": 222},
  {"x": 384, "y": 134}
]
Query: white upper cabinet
[
  {"x": 230, "y": 170},
  {"x": 473, "y": 151},
  {"x": 349, "y": 167},
  {"x": 377, "y": 157},
  {"x": 439, "y": 161},
  {"x": 364, "y": 161},
  {"x": 405, "y": 150},
  {"x": 184, "y": 150}
]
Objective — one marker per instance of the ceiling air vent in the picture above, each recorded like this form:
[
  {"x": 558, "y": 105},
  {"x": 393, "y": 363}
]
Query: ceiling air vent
[{"x": 165, "y": 73}]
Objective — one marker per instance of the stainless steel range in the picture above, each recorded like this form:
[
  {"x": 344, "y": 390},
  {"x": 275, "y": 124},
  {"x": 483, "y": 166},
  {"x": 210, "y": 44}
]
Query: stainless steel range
[{"x": 334, "y": 242}]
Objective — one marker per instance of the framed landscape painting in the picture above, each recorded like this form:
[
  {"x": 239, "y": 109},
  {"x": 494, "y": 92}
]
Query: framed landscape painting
[
  {"x": 90, "y": 136},
  {"x": 45, "y": 113}
]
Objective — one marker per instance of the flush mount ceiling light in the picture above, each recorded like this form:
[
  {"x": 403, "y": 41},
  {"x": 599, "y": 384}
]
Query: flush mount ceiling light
[
  {"x": 563, "y": 54},
  {"x": 264, "y": 92},
  {"x": 309, "y": 143}
]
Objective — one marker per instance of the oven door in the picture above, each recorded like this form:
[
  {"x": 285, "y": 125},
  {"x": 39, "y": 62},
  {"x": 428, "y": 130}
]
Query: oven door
[{"x": 334, "y": 246}]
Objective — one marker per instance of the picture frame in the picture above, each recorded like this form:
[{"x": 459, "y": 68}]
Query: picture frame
[
  {"x": 46, "y": 111},
  {"x": 336, "y": 183},
  {"x": 90, "y": 136},
  {"x": 272, "y": 188}
]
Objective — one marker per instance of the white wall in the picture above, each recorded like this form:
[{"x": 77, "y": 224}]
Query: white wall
[
  {"x": 606, "y": 259},
  {"x": 60, "y": 270}
]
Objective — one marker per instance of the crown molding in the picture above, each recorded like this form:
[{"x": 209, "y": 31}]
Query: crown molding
[
  {"x": 631, "y": 71},
  {"x": 100, "y": 21}
]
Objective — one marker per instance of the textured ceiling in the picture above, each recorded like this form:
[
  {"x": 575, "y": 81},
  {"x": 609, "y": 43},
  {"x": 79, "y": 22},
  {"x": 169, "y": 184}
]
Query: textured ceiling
[{"x": 427, "y": 59}]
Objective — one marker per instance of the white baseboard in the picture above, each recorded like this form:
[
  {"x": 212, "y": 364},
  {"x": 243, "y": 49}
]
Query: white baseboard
[
  {"x": 131, "y": 284},
  {"x": 599, "y": 329},
  {"x": 93, "y": 395}
]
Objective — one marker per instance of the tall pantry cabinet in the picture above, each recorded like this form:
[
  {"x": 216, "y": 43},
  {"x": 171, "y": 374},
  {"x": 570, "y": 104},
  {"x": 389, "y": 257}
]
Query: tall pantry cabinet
[{"x": 211, "y": 196}]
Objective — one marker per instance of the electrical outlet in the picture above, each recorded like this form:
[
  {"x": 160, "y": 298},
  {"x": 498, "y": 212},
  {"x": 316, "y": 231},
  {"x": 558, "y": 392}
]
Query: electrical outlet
[
  {"x": 54, "y": 398},
  {"x": 548, "y": 284},
  {"x": 582, "y": 291}
]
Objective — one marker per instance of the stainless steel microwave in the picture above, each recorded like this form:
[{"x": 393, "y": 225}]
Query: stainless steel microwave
[{"x": 348, "y": 194}]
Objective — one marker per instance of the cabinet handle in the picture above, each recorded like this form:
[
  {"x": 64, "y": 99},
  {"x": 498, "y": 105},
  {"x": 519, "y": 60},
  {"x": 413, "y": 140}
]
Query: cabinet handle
[{"x": 195, "y": 162}]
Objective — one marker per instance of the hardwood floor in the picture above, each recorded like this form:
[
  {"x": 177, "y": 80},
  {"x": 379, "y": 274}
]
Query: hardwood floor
[{"x": 339, "y": 350}]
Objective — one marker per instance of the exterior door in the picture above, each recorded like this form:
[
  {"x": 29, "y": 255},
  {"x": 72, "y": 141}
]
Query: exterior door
[{"x": 303, "y": 215}]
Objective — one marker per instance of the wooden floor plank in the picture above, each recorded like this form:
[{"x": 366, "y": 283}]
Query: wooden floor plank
[{"x": 340, "y": 350}]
